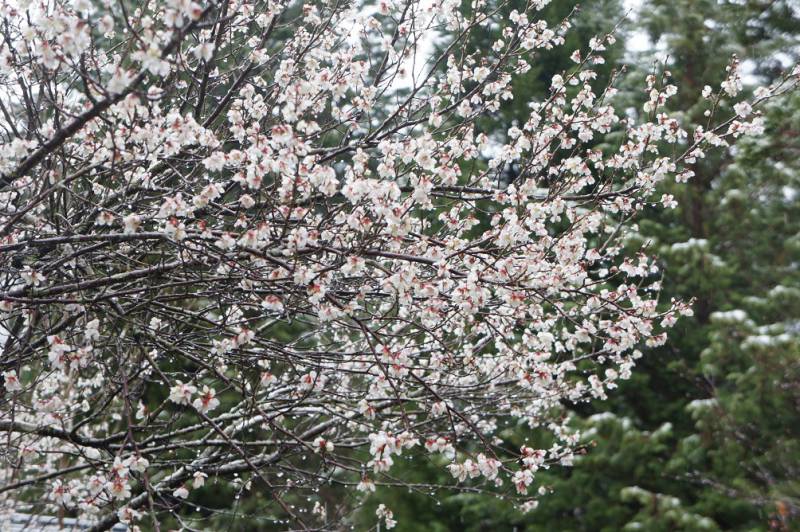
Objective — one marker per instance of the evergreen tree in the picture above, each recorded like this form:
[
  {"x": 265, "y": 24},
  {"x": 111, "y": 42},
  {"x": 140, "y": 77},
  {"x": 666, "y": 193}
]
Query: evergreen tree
[{"x": 704, "y": 435}]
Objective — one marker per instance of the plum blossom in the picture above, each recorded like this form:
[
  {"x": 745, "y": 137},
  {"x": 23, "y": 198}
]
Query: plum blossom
[
  {"x": 131, "y": 223},
  {"x": 348, "y": 260},
  {"x": 743, "y": 109},
  {"x": 182, "y": 393},
  {"x": 382, "y": 512},
  {"x": 105, "y": 218},
  {"x": 321, "y": 445},
  {"x": 31, "y": 276},
  {"x": 11, "y": 381},
  {"x": 128, "y": 515},
  {"x": 206, "y": 402},
  {"x": 198, "y": 479},
  {"x": 204, "y": 51}
]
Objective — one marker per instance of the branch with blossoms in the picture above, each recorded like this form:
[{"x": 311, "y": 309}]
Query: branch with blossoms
[{"x": 254, "y": 243}]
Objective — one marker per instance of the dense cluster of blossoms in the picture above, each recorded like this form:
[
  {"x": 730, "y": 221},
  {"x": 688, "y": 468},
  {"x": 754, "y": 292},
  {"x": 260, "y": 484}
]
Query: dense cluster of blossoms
[{"x": 254, "y": 242}]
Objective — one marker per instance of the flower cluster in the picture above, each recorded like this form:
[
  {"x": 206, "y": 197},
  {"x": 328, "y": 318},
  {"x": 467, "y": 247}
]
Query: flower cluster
[{"x": 235, "y": 244}]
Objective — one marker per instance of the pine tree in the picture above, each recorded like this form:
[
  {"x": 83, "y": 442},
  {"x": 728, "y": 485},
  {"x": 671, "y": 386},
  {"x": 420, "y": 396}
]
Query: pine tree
[
  {"x": 723, "y": 393},
  {"x": 703, "y": 437}
]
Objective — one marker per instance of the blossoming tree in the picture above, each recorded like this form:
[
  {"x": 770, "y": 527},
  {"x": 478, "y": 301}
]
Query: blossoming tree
[{"x": 263, "y": 243}]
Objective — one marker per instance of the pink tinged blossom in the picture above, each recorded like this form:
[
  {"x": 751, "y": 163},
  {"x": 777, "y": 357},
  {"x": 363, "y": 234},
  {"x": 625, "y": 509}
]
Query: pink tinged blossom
[
  {"x": 393, "y": 295},
  {"x": 226, "y": 242},
  {"x": 268, "y": 379},
  {"x": 128, "y": 515},
  {"x": 11, "y": 381},
  {"x": 743, "y": 109},
  {"x": 57, "y": 353},
  {"x": 321, "y": 445},
  {"x": 215, "y": 162},
  {"x": 138, "y": 463},
  {"x": 119, "y": 488},
  {"x": 244, "y": 336},
  {"x": 386, "y": 515},
  {"x": 522, "y": 479},
  {"x": 182, "y": 393},
  {"x": 175, "y": 230},
  {"x": 366, "y": 485},
  {"x": 272, "y": 303},
  {"x": 207, "y": 400},
  {"x": 62, "y": 493},
  {"x": 204, "y": 51},
  {"x": 198, "y": 479},
  {"x": 105, "y": 218},
  {"x": 312, "y": 381},
  {"x": 247, "y": 201},
  {"x": 31, "y": 277},
  {"x": 131, "y": 224}
]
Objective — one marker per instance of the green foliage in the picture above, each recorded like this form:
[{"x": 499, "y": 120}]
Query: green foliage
[
  {"x": 704, "y": 436},
  {"x": 706, "y": 433}
]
